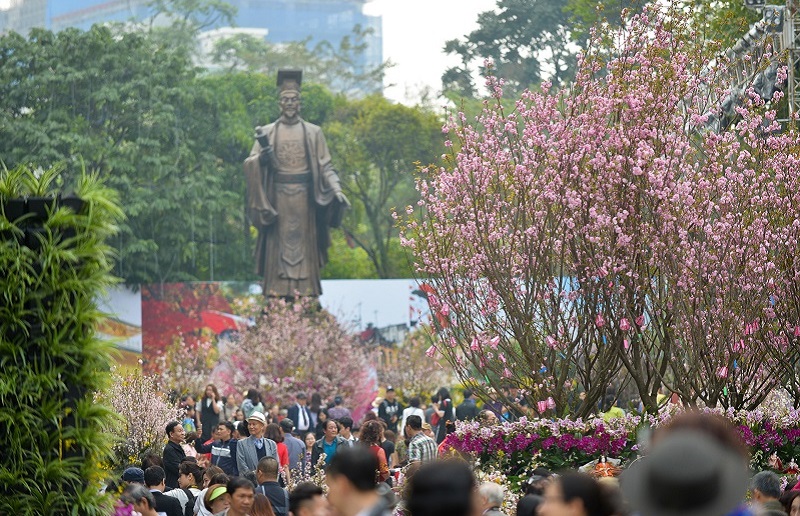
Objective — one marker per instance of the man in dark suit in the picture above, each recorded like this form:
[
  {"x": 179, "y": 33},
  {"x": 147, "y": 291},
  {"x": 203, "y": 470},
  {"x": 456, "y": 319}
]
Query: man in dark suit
[
  {"x": 173, "y": 453},
  {"x": 300, "y": 415},
  {"x": 154, "y": 481}
]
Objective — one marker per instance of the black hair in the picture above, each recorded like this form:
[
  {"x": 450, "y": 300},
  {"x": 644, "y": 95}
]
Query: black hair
[
  {"x": 528, "y": 505},
  {"x": 302, "y": 493},
  {"x": 357, "y": 464},
  {"x": 467, "y": 393},
  {"x": 287, "y": 425},
  {"x": 254, "y": 396},
  {"x": 239, "y": 483},
  {"x": 227, "y": 424},
  {"x": 583, "y": 487},
  {"x": 171, "y": 426},
  {"x": 154, "y": 475},
  {"x": 442, "y": 394},
  {"x": 241, "y": 427},
  {"x": 414, "y": 402},
  {"x": 191, "y": 468},
  {"x": 415, "y": 422},
  {"x": 346, "y": 422},
  {"x": 442, "y": 487}
]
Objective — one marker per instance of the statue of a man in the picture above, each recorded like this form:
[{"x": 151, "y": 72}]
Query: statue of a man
[{"x": 293, "y": 197}]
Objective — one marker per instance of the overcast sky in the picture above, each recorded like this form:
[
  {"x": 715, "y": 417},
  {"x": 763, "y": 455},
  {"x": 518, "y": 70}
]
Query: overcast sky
[{"x": 414, "y": 33}]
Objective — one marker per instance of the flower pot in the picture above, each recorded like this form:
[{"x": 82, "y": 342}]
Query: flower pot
[
  {"x": 14, "y": 209},
  {"x": 37, "y": 207},
  {"x": 73, "y": 202}
]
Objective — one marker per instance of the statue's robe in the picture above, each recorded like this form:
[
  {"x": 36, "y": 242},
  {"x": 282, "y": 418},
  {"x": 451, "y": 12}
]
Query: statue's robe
[{"x": 291, "y": 200}]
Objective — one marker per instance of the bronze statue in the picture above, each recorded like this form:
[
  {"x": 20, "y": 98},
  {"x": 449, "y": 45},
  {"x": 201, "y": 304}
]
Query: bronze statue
[{"x": 293, "y": 197}]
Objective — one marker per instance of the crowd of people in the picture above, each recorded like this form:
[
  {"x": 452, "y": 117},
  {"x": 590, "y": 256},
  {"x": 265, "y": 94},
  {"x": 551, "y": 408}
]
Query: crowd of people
[{"x": 252, "y": 460}]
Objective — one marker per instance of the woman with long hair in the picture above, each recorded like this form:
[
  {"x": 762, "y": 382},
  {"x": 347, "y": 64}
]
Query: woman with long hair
[
  {"x": 209, "y": 411},
  {"x": 309, "y": 440},
  {"x": 275, "y": 433},
  {"x": 372, "y": 436},
  {"x": 443, "y": 407}
]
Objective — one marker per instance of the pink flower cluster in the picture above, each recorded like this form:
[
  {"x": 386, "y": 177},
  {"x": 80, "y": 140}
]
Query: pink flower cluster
[{"x": 569, "y": 443}]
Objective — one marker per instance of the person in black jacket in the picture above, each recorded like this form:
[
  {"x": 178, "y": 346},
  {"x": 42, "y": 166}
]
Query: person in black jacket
[
  {"x": 468, "y": 410},
  {"x": 267, "y": 477},
  {"x": 173, "y": 453},
  {"x": 223, "y": 450},
  {"x": 154, "y": 481}
]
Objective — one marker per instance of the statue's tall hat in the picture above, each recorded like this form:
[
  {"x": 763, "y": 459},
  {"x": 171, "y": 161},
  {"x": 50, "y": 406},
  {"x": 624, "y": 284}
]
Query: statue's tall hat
[{"x": 289, "y": 80}]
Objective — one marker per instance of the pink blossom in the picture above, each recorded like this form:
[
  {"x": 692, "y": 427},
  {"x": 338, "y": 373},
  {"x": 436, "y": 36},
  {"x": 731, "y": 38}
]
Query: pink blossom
[
  {"x": 599, "y": 321},
  {"x": 624, "y": 325},
  {"x": 475, "y": 345}
]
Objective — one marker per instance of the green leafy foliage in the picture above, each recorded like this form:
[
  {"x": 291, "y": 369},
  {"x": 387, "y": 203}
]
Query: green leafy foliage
[
  {"x": 376, "y": 147},
  {"x": 55, "y": 265}
]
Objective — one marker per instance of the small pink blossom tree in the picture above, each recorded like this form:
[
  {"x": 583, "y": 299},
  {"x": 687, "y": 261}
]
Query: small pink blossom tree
[
  {"x": 297, "y": 347},
  {"x": 145, "y": 411},
  {"x": 599, "y": 233}
]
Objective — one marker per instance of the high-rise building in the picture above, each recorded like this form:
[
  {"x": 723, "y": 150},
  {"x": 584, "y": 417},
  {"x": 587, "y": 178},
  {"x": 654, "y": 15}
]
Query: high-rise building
[
  {"x": 21, "y": 15},
  {"x": 284, "y": 20}
]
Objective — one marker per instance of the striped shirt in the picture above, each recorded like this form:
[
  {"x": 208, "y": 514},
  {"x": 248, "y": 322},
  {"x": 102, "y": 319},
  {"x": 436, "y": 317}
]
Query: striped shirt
[{"x": 421, "y": 448}]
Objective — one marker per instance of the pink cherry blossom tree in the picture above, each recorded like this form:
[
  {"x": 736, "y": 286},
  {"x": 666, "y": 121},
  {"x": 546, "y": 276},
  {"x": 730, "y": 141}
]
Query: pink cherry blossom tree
[
  {"x": 600, "y": 234},
  {"x": 298, "y": 347}
]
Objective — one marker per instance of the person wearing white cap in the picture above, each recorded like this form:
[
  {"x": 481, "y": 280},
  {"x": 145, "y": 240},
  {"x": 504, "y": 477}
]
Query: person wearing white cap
[{"x": 249, "y": 451}]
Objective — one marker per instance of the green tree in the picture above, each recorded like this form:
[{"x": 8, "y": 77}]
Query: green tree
[
  {"x": 376, "y": 147},
  {"x": 123, "y": 104},
  {"x": 335, "y": 65},
  {"x": 526, "y": 39}
]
